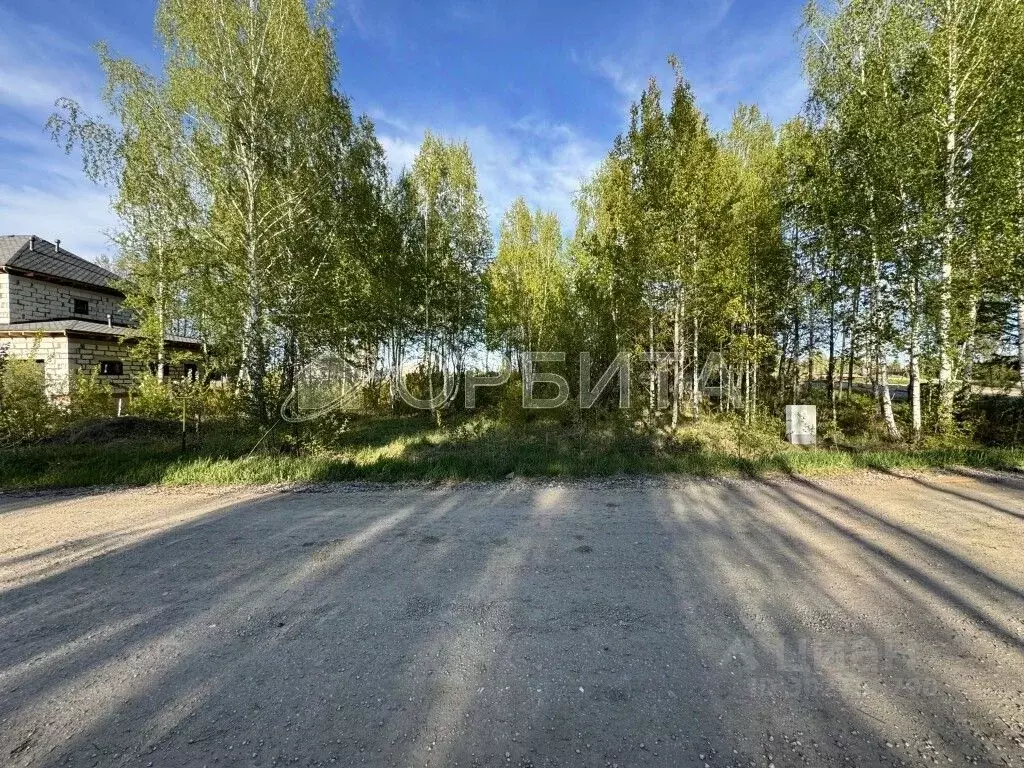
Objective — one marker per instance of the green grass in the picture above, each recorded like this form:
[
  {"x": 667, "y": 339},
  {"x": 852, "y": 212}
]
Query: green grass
[{"x": 412, "y": 449}]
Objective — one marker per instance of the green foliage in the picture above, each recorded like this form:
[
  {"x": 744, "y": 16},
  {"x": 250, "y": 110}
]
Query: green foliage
[
  {"x": 152, "y": 399},
  {"x": 244, "y": 225},
  {"x": 26, "y": 411},
  {"x": 857, "y": 415},
  {"x": 220, "y": 404},
  {"x": 413, "y": 448},
  {"x": 456, "y": 244},
  {"x": 527, "y": 283},
  {"x": 730, "y": 436},
  {"x": 155, "y": 398},
  {"x": 882, "y": 227},
  {"x": 679, "y": 250},
  {"x": 911, "y": 104},
  {"x": 90, "y": 398}
]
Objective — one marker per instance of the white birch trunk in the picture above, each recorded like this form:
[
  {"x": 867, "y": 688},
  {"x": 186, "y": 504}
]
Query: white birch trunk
[{"x": 677, "y": 358}]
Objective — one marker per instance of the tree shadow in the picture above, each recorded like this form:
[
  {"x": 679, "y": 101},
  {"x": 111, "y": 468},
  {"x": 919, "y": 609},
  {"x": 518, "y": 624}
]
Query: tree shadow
[
  {"x": 845, "y": 632},
  {"x": 922, "y": 554},
  {"x": 984, "y": 504},
  {"x": 217, "y": 614},
  {"x": 13, "y": 502},
  {"x": 646, "y": 622},
  {"x": 377, "y": 432}
]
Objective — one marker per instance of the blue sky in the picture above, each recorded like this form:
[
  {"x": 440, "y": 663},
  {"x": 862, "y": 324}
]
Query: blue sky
[{"x": 539, "y": 89}]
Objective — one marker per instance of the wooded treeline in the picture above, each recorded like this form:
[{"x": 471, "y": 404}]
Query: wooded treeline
[
  {"x": 258, "y": 212},
  {"x": 881, "y": 229}
]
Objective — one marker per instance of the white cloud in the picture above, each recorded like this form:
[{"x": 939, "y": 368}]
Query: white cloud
[
  {"x": 762, "y": 68},
  {"x": 38, "y": 66},
  {"x": 538, "y": 160},
  {"x": 381, "y": 117},
  {"x": 26, "y": 137},
  {"x": 79, "y": 215},
  {"x": 42, "y": 191},
  {"x": 759, "y": 65},
  {"x": 401, "y": 152},
  {"x": 626, "y": 83},
  {"x": 369, "y": 26},
  {"x": 717, "y": 15},
  {"x": 465, "y": 13},
  {"x": 356, "y": 14},
  {"x": 543, "y": 128},
  {"x": 622, "y": 74},
  {"x": 785, "y": 94}
]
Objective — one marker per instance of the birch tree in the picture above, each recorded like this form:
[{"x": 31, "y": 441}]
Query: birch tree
[
  {"x": 456, "y": 248},
  {"x": 965, "y": 70},
  {"x": 527, "y": 281},
  {"x": 244, "y": 132}
]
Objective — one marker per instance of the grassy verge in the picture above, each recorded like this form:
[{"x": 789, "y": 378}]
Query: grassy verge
[{"x": 412, "y": 450}]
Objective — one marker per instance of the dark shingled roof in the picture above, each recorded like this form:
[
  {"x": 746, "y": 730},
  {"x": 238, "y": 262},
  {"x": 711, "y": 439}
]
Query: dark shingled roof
[
  {"x": 45, "y": 261},
  {"x": 84, "y": 327}
]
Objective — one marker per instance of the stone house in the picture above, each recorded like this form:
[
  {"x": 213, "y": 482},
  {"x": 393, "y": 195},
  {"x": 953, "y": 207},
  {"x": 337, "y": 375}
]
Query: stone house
[{"x": 65, "y": 313}]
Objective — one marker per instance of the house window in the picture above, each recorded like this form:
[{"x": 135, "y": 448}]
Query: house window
[
  {"x": 191, "y": 371},
  {"x": 81, "y": 307},
  {"x": 111, "y": 368},
  {"x": 167, "y": 369}
]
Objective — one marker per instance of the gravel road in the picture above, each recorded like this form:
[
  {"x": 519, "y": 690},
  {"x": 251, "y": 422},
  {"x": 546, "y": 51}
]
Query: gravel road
[{"x": 866, "y": 620}]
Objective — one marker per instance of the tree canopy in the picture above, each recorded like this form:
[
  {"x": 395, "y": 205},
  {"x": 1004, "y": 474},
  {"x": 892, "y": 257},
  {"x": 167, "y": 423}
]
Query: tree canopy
[{"x": 879, "y": 232}]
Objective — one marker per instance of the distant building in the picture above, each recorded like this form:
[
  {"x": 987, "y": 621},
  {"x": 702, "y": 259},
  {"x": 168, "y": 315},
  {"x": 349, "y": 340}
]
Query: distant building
[{"x": 65, "y": 313}]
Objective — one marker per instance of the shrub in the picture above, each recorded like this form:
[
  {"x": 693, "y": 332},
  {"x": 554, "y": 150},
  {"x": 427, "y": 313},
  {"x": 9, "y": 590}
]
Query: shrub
[
  {"x": 153, "y": 398},
  {"x": 376, "y": 395},
  {"x": 220, "y": 404},
  {"x": 730, "y": 435},
  {"x": 90, "y": 398},
  {"x": 510, "y": 403},
  {"x": 26, "y": 411},
  {"x": 999, "y": 420},
  {"x": 857, "y": 415},
  {"x": 762, "y": 437}
]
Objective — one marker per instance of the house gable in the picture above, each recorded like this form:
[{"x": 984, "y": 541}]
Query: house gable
[
  {"x": 66, "y": 314},
  {"x": 41, "y": 281},
  {"x": 37, "y": 258}
]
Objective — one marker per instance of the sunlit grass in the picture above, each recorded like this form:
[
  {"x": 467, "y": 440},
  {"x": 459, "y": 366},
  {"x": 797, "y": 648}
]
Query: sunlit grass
[{"x": 389, "y": 450}]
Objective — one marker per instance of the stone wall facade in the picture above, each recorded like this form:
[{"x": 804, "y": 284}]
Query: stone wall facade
[
  {"x": 51, "y": 352},
  {"x": 86, "y": 354},
  {"x": 25, "y": 299},
  {"x": 5, "y": 298},
  {"x": 61, "y": 357}
]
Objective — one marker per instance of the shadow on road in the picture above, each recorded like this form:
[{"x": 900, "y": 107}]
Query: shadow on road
[{"x": 718, "y": 623}]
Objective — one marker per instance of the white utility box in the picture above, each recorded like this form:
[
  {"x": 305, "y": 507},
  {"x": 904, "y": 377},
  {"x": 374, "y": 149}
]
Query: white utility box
[{"x": 802, "y": 424}]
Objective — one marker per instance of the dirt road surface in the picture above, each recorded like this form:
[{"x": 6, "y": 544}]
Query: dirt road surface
[{"x": 865, "y": 620}]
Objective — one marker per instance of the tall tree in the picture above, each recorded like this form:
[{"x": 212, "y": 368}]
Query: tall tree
[
  {"x": 527, "y": 281},
  {"x": 964, "y": 71},
  {"x": 757, "y": 230},
  {"x": 244, "y": 123},
  {"x": 456, "y": 248}
]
